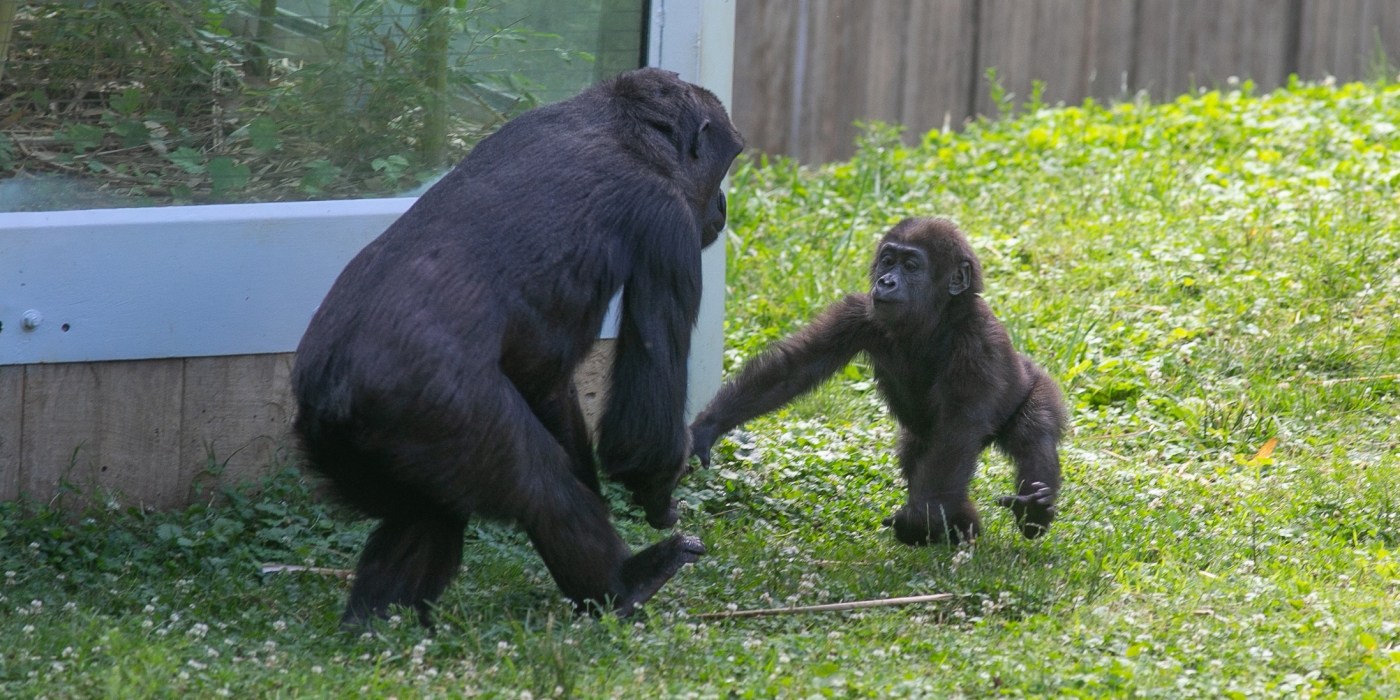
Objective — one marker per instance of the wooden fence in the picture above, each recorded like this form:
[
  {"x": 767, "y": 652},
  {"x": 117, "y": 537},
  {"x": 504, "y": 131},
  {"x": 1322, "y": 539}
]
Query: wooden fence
[{"x": 806, "y": 70}]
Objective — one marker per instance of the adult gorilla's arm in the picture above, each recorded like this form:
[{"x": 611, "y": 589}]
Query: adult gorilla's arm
[
  {"x": 642, "y": 440},
  {"x": 785, "y": 371}
]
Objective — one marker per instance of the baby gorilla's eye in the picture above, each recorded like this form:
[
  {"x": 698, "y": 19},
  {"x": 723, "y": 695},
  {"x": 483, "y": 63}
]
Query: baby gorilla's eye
[
  {"x": 887, "y": 261},
  {"x": 911, "y": 265}
]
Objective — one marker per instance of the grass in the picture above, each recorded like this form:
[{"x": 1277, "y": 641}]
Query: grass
[{"x": 1202, "y": 276}]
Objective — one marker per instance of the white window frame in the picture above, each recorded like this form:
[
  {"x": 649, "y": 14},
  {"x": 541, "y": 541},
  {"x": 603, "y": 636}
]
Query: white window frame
[{"x": 236, "y": 279}]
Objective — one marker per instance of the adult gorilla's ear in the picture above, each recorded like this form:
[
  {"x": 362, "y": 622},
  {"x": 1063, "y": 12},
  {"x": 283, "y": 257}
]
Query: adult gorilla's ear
[
  {"x": 695, "y": 144},
  {"x": 962, "y": 278}
]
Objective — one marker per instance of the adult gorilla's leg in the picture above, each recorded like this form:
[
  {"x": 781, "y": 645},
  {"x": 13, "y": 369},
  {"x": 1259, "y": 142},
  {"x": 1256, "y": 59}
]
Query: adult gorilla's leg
[
  {"x": 561, "y": 415},
  {"x": 568, "y": 521},
  {"x": 938, "y": 473},
  {"x": 408, "y": 561},
  {"x": 568, "y": 524},
  {"x": 1030, "y": 439}
]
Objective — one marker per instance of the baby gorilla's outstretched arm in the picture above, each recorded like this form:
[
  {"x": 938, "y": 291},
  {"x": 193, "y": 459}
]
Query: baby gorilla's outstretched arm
[{"x": 784, "y": 371}]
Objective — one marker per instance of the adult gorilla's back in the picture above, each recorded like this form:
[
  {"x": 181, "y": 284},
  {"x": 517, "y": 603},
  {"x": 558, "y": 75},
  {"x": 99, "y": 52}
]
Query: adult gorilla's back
[{"x": 435, "y": 381}]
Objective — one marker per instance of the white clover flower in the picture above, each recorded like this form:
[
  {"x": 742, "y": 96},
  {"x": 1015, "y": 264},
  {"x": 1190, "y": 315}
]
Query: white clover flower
[
  {"x": 279, "y": 625},
  {"x": 317, "y": 670}
]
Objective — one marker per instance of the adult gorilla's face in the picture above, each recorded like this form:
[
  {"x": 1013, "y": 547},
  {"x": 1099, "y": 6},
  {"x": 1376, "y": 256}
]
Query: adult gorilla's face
[{"x": 716, "y": 214}]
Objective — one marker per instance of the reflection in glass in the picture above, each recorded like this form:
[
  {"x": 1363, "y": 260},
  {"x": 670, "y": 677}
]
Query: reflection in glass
[{"x": 154, "y": 102}]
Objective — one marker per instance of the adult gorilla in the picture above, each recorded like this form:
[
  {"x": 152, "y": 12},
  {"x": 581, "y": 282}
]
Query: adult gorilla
[{"x": 435, "y": 380}]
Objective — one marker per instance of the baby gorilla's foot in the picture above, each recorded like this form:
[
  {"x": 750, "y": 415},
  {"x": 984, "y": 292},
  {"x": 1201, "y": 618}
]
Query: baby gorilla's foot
[
  {"x": 935, "y": 522},
  {"x": 1034, "y": 509}
]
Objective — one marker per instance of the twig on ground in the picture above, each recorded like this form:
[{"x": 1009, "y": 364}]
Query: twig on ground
[
  {"x": 1119, "y": 436},
  {"x": 281, "y": 568},
  {"x": 829, "y": 607},
  {"x": 1330, "y": 382}
]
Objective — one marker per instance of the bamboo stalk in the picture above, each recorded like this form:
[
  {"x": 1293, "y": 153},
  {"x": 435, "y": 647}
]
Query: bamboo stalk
[
  {"x": 8, "y": 8},
  {"x": 258, "y": 62},
  {"x": 829, "y": 607},
  {"x": 435, "y": 46}
]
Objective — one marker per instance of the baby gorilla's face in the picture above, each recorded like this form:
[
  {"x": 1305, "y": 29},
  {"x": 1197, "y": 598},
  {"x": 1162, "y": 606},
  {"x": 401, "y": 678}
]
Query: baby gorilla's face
[{"x": 901, "y": 289}]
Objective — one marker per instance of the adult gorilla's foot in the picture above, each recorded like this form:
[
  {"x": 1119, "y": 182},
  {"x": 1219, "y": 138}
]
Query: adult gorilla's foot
[{"x": 651, "y": 568}]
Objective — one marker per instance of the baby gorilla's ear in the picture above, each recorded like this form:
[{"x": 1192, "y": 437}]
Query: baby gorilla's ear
[{"x": 962, "y": 279}]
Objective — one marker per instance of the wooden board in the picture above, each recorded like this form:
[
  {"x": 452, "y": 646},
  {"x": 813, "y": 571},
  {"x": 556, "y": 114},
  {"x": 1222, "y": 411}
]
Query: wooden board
[
  {"x": 940, "y": 47},
  {"x": 764, "y": 46},
  {"x": 236, "y": 417},
  {"x": 591, "y": 380},
  {"x": 107, "y": 428},
  {"x": 1339, "y": 38},
  {"x": 1109, "y": 54},
  {"x": 11, "y": 425},
  {"x": 1186, "y": 45},
  {"x": 806, "y": 70}
]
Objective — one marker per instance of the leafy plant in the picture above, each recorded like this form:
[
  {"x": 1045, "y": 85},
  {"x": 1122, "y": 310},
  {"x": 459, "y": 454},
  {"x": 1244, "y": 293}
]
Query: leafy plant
[{"x": 179, "y": 107}]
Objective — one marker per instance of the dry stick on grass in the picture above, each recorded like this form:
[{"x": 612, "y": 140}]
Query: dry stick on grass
[
  {"x": 1330, "y": 382},
  {"x": 830, "y": 607},
  {"x": 280, "y": 568}
]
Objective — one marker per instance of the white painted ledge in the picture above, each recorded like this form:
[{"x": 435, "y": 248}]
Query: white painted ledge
[{"x": 193, "y": 281}]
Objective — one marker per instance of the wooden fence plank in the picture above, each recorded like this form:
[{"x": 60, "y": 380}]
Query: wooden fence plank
[
  {"x": 1109, "y": 55},
  {"x": 11, "y": 422},
  {"x": 1004, "y": 42},
  {"x": 855, "y": 63},
  {"x": 884, "y": 74},
  {"x": 839, "y": 62},
  {"x": 1060, "y": 42},
  {"x": 764, "y": 58},
  {"x": 591, "y": 381},
  {"x": 236, "y": 416},
  {"x": 104, "y": 426},
  {"x": 1339, "y": 38},
  {"x": 939, "y": 58}
]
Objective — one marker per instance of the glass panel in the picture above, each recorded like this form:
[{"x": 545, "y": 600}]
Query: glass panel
[{"x": 109, "y": 103}]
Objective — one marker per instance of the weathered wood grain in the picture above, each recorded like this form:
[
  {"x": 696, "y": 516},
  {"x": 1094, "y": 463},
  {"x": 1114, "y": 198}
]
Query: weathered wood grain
[
  {"x": 11, "y": 424},
  {"x": 107, "y": 428},
  {"x": 1347, "y": 39},
  {"x": 764, "y": 64},
  {"x": 1108, "y": 54},
  {"x": 939, "y": 60},
  {"x": 236, "y": 417},
  {"x": 591, "y": 380},
  {"x": 806, "y": 70}
]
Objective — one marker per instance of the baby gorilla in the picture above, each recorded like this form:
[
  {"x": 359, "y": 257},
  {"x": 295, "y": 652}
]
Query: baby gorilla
[{"x": 947, "y": 370}]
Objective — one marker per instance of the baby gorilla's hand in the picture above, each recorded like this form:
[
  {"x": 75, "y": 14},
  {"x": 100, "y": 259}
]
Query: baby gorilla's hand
[{"x": 702, "y": 438}]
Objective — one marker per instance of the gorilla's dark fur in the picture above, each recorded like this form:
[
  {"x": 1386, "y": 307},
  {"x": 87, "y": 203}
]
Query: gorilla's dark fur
[
  {"x": 435, "y": 381},
  {"x": 947, "y": 370}
]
